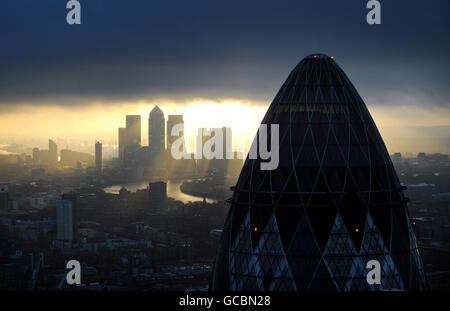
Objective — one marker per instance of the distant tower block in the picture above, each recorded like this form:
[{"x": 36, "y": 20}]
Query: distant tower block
[
  {"x": 98, "y": 156},
  {"x": 52, "y": 152},
  {"x": 173, "y": 120},
  {"x": 122, "y": 142},
  {"x": 157, "y": 196},
  {"x": 156, "y": 131},
  {"x": 133, "y": 123},
  {"x": 64, "y": 222}
]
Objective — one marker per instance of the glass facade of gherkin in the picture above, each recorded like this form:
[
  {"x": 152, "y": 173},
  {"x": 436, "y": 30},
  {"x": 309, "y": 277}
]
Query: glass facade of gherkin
[{"x": 333, "y": 204}]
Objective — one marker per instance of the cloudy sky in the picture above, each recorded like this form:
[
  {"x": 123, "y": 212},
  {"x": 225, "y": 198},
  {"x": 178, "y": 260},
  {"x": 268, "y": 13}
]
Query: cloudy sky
[{"x": 140, "y": 52}]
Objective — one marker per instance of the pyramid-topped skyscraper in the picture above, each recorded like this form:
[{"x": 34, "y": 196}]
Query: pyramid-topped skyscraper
[{"x": 333, "y": 204}]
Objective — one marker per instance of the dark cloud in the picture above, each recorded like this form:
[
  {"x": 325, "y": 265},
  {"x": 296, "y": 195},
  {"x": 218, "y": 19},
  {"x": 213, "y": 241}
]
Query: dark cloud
[{"x": 197, "y": 48}]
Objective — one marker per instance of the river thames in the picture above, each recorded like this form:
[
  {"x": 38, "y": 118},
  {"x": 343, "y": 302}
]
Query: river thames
[{"x": 173, "y": 190}]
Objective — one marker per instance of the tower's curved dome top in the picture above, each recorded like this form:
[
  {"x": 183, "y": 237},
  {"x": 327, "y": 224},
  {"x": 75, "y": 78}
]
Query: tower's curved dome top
[{"x": 317, "y": 56}]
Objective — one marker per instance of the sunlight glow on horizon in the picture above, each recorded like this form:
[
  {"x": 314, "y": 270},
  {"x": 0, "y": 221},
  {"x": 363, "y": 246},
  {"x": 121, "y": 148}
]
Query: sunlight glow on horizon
[{"x": 100, "y": 121}]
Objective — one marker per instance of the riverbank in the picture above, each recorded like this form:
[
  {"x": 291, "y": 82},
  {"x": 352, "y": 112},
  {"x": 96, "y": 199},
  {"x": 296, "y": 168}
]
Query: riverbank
[
  {"x": 204, "y": 188},
  {"x": 173, "y": 190}
]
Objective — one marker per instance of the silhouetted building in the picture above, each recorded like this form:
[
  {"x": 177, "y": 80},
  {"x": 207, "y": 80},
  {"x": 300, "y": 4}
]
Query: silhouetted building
[
  {"x": 333, "y": 203},
  {"x": 4, "y": 197},
  {"x": 64, "y": 222},
  {"x": 172, "y": 120},
  {"x": 397, "y": 158},
  {"x": 73, "y": 198},
  {"x": 44, "y": 157},
  {"x": 157, "y": 196},
  {"x": 156, "y": 131},
  {"x": 52, "y": 152},
  {"x": 36, "y": 156},
  {"x": 133, "y": 138},
  {"x": 70, "y": 196},
  {"x": 122, "y": 142},
  {"x": 98, "y": 156},
  {"x": 133, "y": 123}
]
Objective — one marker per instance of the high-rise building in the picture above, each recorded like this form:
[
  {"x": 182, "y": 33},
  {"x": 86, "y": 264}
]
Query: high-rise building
[
  {"x": 72, "y": 197},
  {"x": 397, "y": 158},
  {"x": 122, "y": 142},
  {"x": 98, "y": 156},
  {"x": 4, "y": 197},
  {"x": 64, "y": 225},
  {"x": 333, "y": 204},
  {"x": 133, "y": 125},
  {"x": 157, "y": 196},
  {"x": 156, "y": 131},
  {"x": 36, "y": 156},
  {"x": 52, "y": 152},
  {"x": 172, "y": 120}
]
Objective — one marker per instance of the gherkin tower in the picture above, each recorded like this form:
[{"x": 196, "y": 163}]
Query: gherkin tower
[{"x": 333, "y": 204}]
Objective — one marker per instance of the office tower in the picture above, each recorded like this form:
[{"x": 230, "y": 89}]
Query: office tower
[
  {"x": 133, "y": 125},
  {"x": 72, "y": 197},
  {"x": 122, "y": 142},
  {"x": 156, "y": 129},
  {"x": 64, "y": 226},
  {"x": 52, "y": 152},
  {"x": 157, "y": 196},
  {"x": 397, "y": 157},
  {"x": 36, "y": 156},
  {"x": 4, "y": 198},
  {"x": 172, "y": 120},
  {"x": 98, "y": 156},
  {"x": 333, "y": 203}
]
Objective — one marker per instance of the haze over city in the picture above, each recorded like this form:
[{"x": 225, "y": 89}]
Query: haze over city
[{"x": 77, "y": 84}]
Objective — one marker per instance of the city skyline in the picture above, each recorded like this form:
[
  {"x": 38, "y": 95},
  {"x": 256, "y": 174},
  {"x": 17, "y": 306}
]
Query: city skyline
[{"x": 398, "y": 138}]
